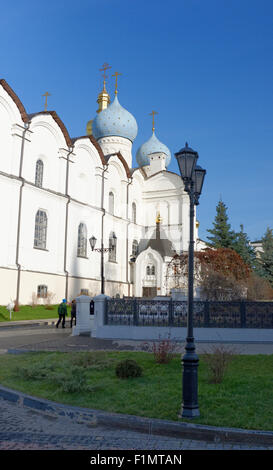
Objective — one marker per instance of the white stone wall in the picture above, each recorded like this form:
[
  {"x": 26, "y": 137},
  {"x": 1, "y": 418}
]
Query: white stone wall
[{"x": 73, "y": 178}]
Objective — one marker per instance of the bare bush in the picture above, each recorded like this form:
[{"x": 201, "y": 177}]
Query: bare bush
[
  {"x": 34, "y": 300},
  {"x": 163, "y": 350},
  {"x": 218, "y": 287},
  {"x": 48, "y": 300},
  {"x": 258, "y": 288},
  {"x": 218, "y": 360}
]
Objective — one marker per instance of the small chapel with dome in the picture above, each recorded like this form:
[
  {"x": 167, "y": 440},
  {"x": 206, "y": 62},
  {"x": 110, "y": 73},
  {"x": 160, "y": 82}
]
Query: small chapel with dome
[{"x": 60, "y": 191}]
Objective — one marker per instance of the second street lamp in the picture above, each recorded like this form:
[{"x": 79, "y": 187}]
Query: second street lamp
[
  {"x": 102, "y": 250},
  {"x": 193, "y": 178}
]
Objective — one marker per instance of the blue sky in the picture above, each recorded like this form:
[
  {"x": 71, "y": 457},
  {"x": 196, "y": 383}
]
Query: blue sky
[{"x": 204, "y": 65}]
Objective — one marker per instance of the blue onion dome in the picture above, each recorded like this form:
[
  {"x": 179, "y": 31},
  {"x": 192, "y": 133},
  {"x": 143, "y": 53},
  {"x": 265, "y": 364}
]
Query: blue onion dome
[
  {"x": 153, "y": 145},
  {"x": 115, "y": 121}
]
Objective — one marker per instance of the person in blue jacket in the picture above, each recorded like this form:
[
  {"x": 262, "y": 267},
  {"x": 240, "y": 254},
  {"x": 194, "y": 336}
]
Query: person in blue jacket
[{"x": 62, "y": 312}]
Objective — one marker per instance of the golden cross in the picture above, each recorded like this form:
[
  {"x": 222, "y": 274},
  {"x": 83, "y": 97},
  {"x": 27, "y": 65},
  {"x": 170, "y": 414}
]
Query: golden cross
[
  {"x": 116, "y": 75},
  {"x": 46, "y": 95},
  {"x": 104, "y": 68},
  {"x": 153, "y": 114}
]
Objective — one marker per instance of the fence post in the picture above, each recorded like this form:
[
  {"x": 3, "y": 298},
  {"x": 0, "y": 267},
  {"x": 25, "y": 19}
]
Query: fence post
[
  {"x": 243, "y": 314},
  {"x": 135, "y": 321},
  {"x": 100, "y": 306},
  {"x": 206, "y": 314},
  {"x": 170, "y": 312},
  {"x": 83, "y": 320}
]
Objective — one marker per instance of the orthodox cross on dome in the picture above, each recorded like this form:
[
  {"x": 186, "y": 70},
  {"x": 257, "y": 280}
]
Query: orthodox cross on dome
[
  {"x": 46, "y": 95},
  {"x": 153, "y": 114},
  {"x": 105, "y": 67},
  {"x": 116, "y": 86}
]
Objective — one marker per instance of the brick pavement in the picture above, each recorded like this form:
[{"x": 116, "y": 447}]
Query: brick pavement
[{"x": 21, "y": 428}]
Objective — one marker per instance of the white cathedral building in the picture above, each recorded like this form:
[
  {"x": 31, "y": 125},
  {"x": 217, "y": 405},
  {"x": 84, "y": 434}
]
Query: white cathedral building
[{"x": 57, "y": 192}]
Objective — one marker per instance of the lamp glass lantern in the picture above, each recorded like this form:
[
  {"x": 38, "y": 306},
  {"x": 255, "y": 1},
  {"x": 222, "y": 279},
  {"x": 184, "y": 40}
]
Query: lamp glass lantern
[
  {"x": 113, "y": 242},
  {"x": 92, "y": 242},
  {"x": 186, "y": 159},
  {"x": 199, "y": 176}
]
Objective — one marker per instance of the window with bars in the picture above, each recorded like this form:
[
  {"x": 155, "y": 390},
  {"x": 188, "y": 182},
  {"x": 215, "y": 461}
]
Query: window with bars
[
  {"x": 40, "y": 233},
  {"x": 113, "y": 246},
  {"x": 111, "y": 203},
  {"x": 42, "y": 292},
  {"x": 134, "y": 212},
  {"x": 135, "y": 248},
  {"x": 82, "y": 241},
  {"x": 150, "y": 270},
  {"x": 39, "y": 172},
  {"x": 84, "y": 292}
]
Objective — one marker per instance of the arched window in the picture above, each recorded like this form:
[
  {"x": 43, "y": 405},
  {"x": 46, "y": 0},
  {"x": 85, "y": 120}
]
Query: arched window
[
  {"x": 40, "y": 229},
  {"x": 39, "y": 171},
  {"x": 111, "y": 203},
  {"x": 134, "y": 213},
  {"x": 113, "y": 246},
  {"x": 135, "y": 248},
  {"x": 82, "y": 241},
  {"x": 150, "y": 270}
]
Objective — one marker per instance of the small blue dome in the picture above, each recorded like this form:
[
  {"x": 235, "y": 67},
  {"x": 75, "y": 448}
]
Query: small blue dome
[
  {"x": 153, "y": 145},
  {"x": 115, "y": 121}
]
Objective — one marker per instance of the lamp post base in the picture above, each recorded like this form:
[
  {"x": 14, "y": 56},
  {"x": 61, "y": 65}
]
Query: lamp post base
[{"x": 190, "y": 361}]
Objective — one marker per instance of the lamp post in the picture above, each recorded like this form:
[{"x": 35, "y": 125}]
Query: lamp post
[
  {"x": 193, "y": 178},
  {"x": 102, "y": 250}
]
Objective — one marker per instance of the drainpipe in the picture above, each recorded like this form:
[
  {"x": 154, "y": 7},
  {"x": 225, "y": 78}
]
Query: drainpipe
[
  {"x": 102, "y": 232},
  {"x": 19, "y": 267},
  {"x": 127, "y": 242},
  {"x": 66, "y": 222}
]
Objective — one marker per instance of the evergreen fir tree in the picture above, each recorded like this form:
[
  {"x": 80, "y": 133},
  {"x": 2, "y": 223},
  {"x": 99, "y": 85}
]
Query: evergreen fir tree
[
  {"x": 222, "y": 235},
  {"x": 266, "y": 256},
  {"x": 244, "y": 249}
]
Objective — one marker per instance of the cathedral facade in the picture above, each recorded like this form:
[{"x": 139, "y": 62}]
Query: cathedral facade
[{"x": 57, "y": 192}]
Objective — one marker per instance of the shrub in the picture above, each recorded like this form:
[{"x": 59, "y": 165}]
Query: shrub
[
  {"x": 48, "y": 300},
  {"x": 34, "y": 371},
  {"x": 72, "y": 381},
  {"x": 128, "y": 369},
  {"x": 92, "y": 360},
  {"x": 163, "y": 350},
  {"x": 258, "y": 288},
  {"x": 219, "y": 287},
  {"x": 218, "y": 360}
]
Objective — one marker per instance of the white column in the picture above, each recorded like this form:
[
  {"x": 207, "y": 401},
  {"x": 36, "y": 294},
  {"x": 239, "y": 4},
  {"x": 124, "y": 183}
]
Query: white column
[
  {"x": 99, "y": 311},
  {"x": 83, "y": 318}
]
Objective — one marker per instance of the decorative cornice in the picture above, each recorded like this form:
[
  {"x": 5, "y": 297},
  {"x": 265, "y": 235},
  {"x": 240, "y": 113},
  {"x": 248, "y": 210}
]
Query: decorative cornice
[
  {"x": 58, "y": 121},
  {"x": 93, "y": 142},
  {"x": 123, "y": 161},
  {"x": 16, "y": 100}
]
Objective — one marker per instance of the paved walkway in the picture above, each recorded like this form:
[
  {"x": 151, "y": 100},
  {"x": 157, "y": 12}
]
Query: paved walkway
[
  {"x": 31, "y": 336},
  {"x": 22, "y": 428}
]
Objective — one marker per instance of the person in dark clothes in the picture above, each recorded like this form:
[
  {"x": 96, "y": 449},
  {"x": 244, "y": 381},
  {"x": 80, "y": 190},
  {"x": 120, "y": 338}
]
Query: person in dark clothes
[
  {"x": 73, "y": 312},
  {"x": 92, "y": 307},
  {"x": 62, "y": 312}
]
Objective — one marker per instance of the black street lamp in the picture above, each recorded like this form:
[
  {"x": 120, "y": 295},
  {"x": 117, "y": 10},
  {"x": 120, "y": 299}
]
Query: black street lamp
[
  {"x": 102, "y": 250},
  {"x": 193, "y": 178}
]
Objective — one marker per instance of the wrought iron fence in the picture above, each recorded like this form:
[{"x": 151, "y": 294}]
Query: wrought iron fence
[{"x": 146, "y": 312}]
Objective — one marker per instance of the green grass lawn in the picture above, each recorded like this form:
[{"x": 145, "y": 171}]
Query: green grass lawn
[
  {"x": 27, "y": 312},
  {"x": 244, "y": 399}
]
